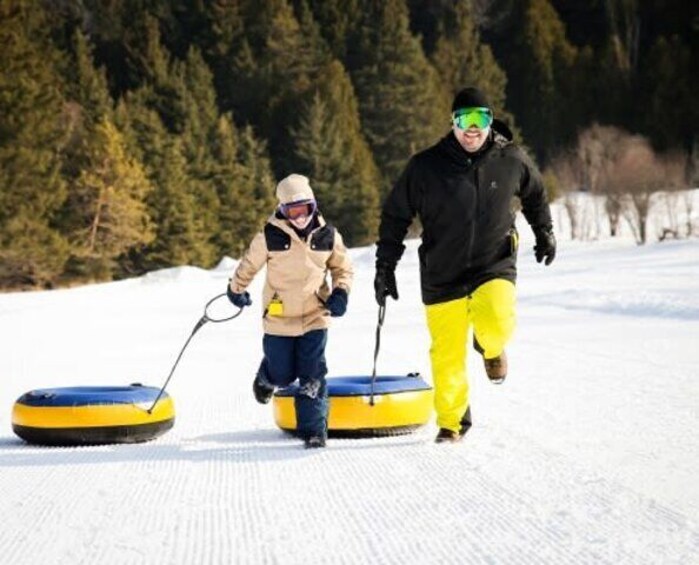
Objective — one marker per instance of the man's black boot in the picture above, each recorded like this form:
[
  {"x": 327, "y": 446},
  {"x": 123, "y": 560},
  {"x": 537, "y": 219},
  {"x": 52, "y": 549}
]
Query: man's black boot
[{"x": 450, "y": 436}]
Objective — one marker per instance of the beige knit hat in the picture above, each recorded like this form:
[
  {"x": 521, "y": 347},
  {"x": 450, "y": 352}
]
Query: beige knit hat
[{"x": 294, "y": 188}]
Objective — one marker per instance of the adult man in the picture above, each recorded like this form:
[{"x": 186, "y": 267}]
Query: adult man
[{"x": 462, "y": 189}]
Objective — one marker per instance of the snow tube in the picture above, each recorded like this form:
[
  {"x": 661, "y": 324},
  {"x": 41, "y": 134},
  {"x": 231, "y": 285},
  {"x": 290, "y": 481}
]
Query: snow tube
[
  {"x": 89, "y": 415},
  {"x": 401, "y": 405}
]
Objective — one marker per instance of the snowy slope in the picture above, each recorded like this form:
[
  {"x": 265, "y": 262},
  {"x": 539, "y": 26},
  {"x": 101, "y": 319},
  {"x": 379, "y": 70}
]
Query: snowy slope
[{"x": 588, "y": 453}]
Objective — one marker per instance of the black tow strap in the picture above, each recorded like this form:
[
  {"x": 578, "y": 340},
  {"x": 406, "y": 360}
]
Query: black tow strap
[
  {"x": 382, "y": 315},
  {"x": 205, "y": 318}
]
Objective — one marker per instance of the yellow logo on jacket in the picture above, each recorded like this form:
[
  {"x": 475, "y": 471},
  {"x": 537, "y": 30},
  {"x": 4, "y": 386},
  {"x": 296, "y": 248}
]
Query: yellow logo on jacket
[{"x": 276, "y": 306}]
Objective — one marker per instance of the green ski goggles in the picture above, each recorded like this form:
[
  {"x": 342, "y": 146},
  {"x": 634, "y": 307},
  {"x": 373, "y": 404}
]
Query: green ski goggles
[{"x": 464, "y": 118}]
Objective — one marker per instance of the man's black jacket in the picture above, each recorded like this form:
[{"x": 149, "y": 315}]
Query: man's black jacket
[{"x": 464, "y": 202}]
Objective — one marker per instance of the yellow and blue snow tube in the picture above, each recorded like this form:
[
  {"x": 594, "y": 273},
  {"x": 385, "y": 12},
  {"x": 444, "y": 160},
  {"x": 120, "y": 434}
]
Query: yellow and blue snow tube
[
  {"x": 401, "y": 405},
  {"x": 90, "y": 415}
]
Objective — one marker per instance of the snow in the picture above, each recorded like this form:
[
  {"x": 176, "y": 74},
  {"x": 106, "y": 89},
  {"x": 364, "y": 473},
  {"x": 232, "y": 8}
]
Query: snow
[{"x": 587, "y": 454}]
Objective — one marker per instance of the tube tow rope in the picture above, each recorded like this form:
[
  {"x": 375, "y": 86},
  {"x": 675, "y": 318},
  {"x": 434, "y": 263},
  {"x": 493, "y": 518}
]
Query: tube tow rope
[{"x": 205, "y": 318}]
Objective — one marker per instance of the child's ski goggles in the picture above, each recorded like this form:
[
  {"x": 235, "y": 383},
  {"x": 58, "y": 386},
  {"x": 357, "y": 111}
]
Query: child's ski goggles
[
  {"x": 464, "y": 118},
  {"x": 296, "y": 210}
]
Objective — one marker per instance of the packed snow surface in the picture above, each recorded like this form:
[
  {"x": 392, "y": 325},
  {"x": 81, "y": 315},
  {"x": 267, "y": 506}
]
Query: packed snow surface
[{"x": 587, "y": 454}]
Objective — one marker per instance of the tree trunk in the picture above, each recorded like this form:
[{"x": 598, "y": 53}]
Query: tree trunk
[
  {"x": 642, "y": 222},
  {"x": 96, "y": 222}
]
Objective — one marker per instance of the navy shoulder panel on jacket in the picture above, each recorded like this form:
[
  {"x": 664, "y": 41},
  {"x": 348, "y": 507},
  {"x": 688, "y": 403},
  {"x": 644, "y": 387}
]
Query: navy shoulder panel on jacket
[
  {"x": 323, "y": 239},
  {"x": 276, "y": 238}
]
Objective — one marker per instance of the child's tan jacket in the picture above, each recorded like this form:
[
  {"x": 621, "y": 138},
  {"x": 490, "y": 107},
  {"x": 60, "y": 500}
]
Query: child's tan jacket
[{"x": 296, "y": 275}]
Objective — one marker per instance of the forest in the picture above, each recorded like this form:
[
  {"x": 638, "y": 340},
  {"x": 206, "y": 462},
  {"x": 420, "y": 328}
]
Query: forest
[{"x": 142, "y": 134}]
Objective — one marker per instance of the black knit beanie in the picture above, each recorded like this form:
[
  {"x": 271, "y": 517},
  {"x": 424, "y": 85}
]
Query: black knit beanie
[{"x": 469, "y": 98}]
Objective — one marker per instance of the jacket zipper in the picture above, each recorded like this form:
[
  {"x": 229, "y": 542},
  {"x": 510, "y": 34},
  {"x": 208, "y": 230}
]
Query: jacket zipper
[{"x": 472, "y": 235}]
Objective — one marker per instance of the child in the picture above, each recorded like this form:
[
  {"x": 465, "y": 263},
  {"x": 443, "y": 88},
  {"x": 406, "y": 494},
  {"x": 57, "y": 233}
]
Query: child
[{"x": 299, "y": 248}]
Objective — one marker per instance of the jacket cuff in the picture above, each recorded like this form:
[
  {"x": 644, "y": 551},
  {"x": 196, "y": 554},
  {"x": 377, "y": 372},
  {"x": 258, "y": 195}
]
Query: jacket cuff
[
  {"x": 233, "y": 287},
  {"x": 383, "y": 265},
  {"x": 543, "y": 228},
  {"x": 389, "y": 253}
]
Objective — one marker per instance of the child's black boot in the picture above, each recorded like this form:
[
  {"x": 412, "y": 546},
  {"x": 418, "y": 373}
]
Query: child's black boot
[
  {"x": 314, "y": 442},
  {"x": 262, "y": 390}
]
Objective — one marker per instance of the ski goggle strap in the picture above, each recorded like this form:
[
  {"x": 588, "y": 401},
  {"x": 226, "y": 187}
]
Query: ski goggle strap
[
  {"x": 300, "y": 209},
  {"x": 464, "y": 118}
]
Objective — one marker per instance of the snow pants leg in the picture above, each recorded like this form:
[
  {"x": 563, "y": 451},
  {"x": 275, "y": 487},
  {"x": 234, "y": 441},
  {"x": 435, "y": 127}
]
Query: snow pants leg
[
  {"x": 301, "y": 357},
  {"x": 490, "y": 312}
]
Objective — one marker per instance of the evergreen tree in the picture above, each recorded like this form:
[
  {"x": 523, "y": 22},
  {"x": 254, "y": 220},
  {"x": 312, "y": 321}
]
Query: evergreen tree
[
  {"x": 200, "y": 124},
  {"x": 402, "y": 105},
  {"x": 337, "y": 159},
  {"x": 317, "y": 51},
  {"x": 288, "y": 59},
  {"x": 178, "y": 240},
  {"x": 667, "y": 109},
  {"x": 89, "y": 104},
  {"x": 258, "y": 181},
  {"x": 182, "y": 95},
  {"x": 86, "y": 85},
  {"x": 224, "y": 46},
  {"x": 222, "y": 32},
  {"x": 244, "y": 185},
  {"x": 602, "y": 88},
  {"x": 106, "y": 209},
  {"x": 170, "y": 205},
  {"x": 242, "y": 87},
  {"x": 462, "y": 60},
  {"x": 539, "y": 86},
  {"x": 226, "y": 182},
  {"x": 429, "y": 19},
  {"x": 164, "y": 88},
  {"x": 32, "y": 136},
  {"x": 123, "y": 38},
  {"x": 201, "y": 112},
  {"x": 266, "y": 62},
  {"x": 336, "y": 21}
]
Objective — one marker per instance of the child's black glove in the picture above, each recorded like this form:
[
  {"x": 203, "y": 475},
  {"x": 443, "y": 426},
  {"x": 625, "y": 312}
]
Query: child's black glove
[
  {"x": 240, "y": 300},
  {"x": 385, "y": 282},
  {"x": 337, "y": 302},
  {"x": 545, "y": 247}
]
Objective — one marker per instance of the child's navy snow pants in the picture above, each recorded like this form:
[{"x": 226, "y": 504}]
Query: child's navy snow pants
[{"x": 302, "y": 357}]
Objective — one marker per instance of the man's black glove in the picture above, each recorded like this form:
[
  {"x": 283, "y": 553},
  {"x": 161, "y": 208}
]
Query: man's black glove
[
  {"x": 240, "y": 300},
  {"x": 385, "y": 282},
  {"x": 337, "y": 302},
  {"x": 545, "y": 247}
]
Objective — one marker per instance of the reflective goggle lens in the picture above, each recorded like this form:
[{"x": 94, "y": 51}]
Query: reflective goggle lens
[
  {"x": 467, "y": 117},
  {"x": 296, "y": 210}
]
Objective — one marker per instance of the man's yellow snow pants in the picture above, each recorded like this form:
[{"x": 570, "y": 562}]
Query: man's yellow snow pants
[{"x": 490, "y": 311}]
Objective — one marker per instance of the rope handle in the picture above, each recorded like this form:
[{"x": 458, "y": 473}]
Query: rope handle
[
  {"x": 208, "y": 318},
  {"x": 205, "y": 318},
  {"x": 379, "y": 325}
]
